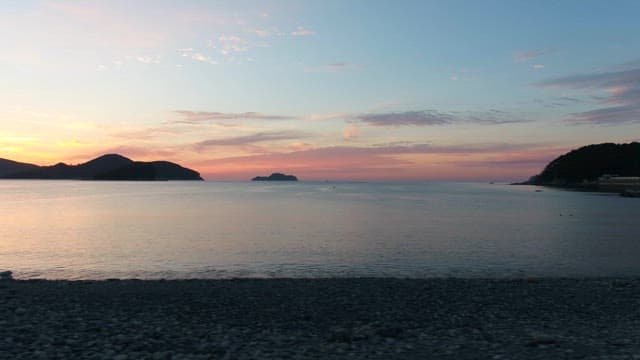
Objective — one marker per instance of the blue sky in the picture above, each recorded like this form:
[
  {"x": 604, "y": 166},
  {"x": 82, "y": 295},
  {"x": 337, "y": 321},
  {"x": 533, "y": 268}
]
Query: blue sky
[{"x": 469, "y": 90}]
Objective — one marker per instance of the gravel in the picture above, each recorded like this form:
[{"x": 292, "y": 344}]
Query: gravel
[{"x": 321, "y": 319}]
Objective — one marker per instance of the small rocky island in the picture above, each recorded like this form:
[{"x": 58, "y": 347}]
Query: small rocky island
[
  {"x": 105, "y": 167},
  {"x": 606, "y": 166},
  {"x": 275, "y": 177}
]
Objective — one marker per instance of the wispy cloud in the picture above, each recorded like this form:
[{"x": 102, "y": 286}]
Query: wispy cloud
[
  {"x": 352, "y": 131},
  {"x": 265, "y": 32},
  {"x": 339, "y": 66},
  {"x": 403, "y": 118},
  {"x": 599, "y": 80},
  {"x": 560, "y": 101},
  {"x": 614, "y": 115},
  {"x": 302, "y": 31},
  {"x": 489, "y": 117},
  {"x": 537, "y": 66},
  {"x": 416, "y": 118},
  {"x": 260, "y": 32},
  {"x": 299, "y": 146},
  {"x": 146, "y": 133},
  {"x": 336, "y": 115},
  {"x": 148, "y": 59},
  {"x": 197, "y": 56},
  {"x": 202, "y": 58},
  {"x": 230, "y": 44},
  {"x": 251, "y": 139},
  {"x": 196, "y": 117},
  {"x": 622, "y": 100},
  {"x": 568, "y": 99},
  {"x": 520, "y": 56},
  {"x": 435, "y": 117}
]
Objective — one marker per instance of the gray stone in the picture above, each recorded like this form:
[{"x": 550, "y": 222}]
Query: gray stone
[
  {"x": 20, "y": 311},
  {"x": 540, "y": 340}
]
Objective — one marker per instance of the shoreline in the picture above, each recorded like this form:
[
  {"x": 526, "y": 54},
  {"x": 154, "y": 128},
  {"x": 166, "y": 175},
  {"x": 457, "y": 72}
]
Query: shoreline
[{"x": 355, "y": 318}]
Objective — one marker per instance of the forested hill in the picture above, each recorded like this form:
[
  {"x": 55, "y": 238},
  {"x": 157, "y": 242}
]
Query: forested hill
[{"x": 590, "y": 162}]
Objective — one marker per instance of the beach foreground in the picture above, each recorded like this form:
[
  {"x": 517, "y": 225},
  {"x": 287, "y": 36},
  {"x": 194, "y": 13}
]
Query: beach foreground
[{"x": 321, "y": 318}]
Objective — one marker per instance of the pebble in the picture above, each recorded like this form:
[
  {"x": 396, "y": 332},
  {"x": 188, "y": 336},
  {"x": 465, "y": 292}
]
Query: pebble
[
  {"x": 321, "y": 319},
  {"x": 20, "y": 311}
]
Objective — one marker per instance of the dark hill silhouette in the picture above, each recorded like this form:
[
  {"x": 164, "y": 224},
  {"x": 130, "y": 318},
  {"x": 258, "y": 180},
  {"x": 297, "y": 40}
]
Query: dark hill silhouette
[
  {"x": 103, "y": 164},
  {"x": 275, "y": 177},
  {"x": 10, "y": 167},
  {"x": 156, "y": 170},
  {"x": 86, "y": 170},
  {"x": 107, "y": 167},
  {"x": 588, "y": 163}
]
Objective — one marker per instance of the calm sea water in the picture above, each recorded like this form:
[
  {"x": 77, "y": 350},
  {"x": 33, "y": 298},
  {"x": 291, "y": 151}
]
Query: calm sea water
[{"x": 79, "y": 230}]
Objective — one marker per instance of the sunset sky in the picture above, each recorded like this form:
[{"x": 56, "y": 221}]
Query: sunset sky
[{"x": 362, "y": 90}]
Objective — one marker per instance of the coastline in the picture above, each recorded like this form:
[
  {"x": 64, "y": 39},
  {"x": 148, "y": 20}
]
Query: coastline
[
  {"x": 584, "y": 188},
  {"x": 357, "y": 318}
]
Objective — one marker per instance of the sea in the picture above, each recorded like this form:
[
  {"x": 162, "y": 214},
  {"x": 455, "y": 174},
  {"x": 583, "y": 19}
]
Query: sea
[{"x": 168, "y": 230}]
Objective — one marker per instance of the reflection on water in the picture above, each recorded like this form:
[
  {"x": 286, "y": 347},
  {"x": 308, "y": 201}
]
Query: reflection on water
[{"x": 76, "y": 229}]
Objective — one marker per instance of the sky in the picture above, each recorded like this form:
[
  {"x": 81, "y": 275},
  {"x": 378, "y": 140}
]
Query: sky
[{"x": 353, "y": 90}]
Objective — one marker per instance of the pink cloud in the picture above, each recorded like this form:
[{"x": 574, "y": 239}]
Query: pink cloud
[
  {"x": 299, "y": 146},
  {"x": 351, "y": 132}
]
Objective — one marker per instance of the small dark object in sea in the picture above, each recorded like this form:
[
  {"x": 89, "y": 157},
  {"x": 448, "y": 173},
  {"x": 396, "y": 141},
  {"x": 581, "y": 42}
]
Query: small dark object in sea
[
  {"x": 275, "y": 177},
  {"x": 620, "y": 284},
  {"x": 541, "y": 340}
]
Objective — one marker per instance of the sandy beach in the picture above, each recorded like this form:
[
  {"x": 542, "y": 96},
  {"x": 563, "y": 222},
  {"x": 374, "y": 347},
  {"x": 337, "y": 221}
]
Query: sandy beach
[{"x": 320, "y": 319}]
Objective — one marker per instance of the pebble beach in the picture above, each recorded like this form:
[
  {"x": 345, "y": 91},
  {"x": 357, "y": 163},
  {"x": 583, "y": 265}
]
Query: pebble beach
[{"x": 359, "y": 318}]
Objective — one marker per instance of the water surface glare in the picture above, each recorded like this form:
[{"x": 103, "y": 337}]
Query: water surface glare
[{"x": 94, "y": 230}]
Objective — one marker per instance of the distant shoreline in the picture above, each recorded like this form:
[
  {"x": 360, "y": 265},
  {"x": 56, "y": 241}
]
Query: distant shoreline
[
  {"x": 585, "y": 188},
  {"x": 361, "y": 318}
]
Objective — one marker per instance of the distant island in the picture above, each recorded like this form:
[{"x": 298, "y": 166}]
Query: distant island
[
  {"x": 604, "y": 166},
  {"x": 275, "y": 177},
  {"x": 105, "y": 167}
]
